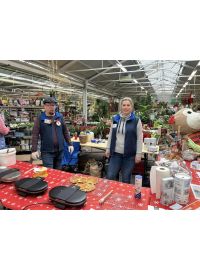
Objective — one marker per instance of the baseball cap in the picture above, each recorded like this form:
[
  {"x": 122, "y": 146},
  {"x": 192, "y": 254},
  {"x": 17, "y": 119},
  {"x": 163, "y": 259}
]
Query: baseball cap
[{"x": 49, "y": 100}]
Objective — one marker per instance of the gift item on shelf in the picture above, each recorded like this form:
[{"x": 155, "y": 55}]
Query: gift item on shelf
[
  {"x": 193, "y": 145},
  {"x": 152, "y": 148},
  {"x": 188, "y": 155},
  {"x": 196, "y": 191},
  {"x": 21, "y": 114},
  {"x": 150, "y": 141},
  {"x": 195, "y": 165}
]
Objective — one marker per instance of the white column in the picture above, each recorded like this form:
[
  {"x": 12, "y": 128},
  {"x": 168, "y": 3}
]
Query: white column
[{"x": 85, "y": 102}]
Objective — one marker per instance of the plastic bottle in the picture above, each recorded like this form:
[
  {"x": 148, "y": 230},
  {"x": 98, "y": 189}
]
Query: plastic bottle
[{"x": 138, "y": 186}]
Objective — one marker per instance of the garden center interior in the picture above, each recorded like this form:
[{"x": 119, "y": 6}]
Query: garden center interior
[{"x": 166, "y": 97}]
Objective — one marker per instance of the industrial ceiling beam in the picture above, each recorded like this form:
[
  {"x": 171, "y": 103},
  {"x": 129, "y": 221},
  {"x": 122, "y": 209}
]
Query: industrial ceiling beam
[
  {"x": 102, "y": 68},
  {"x": 56, "y": 77},
  {"x": 65, "y": 66},
  {"x": 104, "y": 71}
]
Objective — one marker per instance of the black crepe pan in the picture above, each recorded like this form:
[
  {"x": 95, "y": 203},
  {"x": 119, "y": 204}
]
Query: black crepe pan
[
  {"x": 31, "y": 186},
  {"x": 8, "y": 175},
  {"x": 63, "y": 197}
]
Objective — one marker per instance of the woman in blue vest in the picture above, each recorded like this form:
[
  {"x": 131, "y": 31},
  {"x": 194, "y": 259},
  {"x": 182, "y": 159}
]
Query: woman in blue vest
[
  {"x": 52, "y": 131},
  {"x": 125, "y": 140}
]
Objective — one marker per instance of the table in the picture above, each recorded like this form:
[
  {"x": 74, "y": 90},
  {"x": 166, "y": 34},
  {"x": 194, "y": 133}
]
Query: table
[
  {"x": 92, "y": 145},
  {"x": 122, "y": 197},
  {"x": 195, "y": 180}
]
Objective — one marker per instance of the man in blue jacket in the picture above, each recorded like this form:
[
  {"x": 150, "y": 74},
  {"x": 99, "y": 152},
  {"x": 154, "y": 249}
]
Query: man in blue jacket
[{"x": 52, "y": 131}]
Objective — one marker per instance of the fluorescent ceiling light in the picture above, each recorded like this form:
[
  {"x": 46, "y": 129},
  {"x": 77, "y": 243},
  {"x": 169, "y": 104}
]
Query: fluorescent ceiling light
[
  {"x": 63, "y": 75},
  {"x": 5, "y": 75},
  {"x": 142, "y": 87},
  {"x": 47, "y": 83},
  {"x": 181, "y": 70},
  {"x": 135, "y": 81},
  {"x": 33, "y": 64},
  {"x": 122, "y": 67},
  {"x": 192, "y": 75}
]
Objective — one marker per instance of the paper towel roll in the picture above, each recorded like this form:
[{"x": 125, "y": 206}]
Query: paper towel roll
[
  {"x": 182, "y": 188},
  {"x": 167, "y": 190},
  {"x": 153, "y": 179},
  {"x": 161, "y": 172}
]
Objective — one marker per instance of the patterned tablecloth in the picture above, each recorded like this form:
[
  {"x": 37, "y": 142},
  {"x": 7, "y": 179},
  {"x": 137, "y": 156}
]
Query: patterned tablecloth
[
  {"x": 195, "y": 180},
  {"x": 122, "y": 197}
]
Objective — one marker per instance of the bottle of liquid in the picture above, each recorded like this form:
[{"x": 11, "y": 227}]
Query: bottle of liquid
[{"x": 138, "y": 186}]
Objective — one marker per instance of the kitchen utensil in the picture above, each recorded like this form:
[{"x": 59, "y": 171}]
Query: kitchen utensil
[
  {"x": 8, "y": 175},
  {"x": 31, "y": 186},
  {"x": 102, "y": 200},
  {"x": 63, "y": 197}
]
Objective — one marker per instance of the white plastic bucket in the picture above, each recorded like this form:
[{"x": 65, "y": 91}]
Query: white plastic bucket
[{"x": 8, "y": 157}]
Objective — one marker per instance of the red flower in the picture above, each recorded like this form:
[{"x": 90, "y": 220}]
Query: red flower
[{"x": 171, "y": 120}]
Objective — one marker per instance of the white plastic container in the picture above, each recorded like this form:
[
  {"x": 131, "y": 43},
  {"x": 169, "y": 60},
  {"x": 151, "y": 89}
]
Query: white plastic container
[{"x": 8, "y": 157}]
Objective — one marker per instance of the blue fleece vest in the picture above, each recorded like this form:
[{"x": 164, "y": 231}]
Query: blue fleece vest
[
  {"x": 130, "y": 141},
  {"x": 2, "y": 142},
  {"x": 46, "y": 133}
]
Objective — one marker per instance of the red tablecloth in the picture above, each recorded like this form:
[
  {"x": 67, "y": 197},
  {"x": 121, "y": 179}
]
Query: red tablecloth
[
  {"x": 195, "y": 180},
  {"x": 121, "y": 198}
]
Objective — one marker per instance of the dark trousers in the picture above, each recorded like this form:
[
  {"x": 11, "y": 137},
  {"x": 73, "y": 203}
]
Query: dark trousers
[
  {"x": 119, "y": 162},
  {"x": 52, "y": 159}
]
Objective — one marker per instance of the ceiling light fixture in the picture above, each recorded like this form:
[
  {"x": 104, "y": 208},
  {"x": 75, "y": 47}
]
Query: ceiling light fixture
[
  {"x": 192, "y": 75},
  {"x": 180, "y": 71},
  {"x": 121, "y": 66},
  {"x": 33, "y": 64},
  {"x": 63, "y": 75}
]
